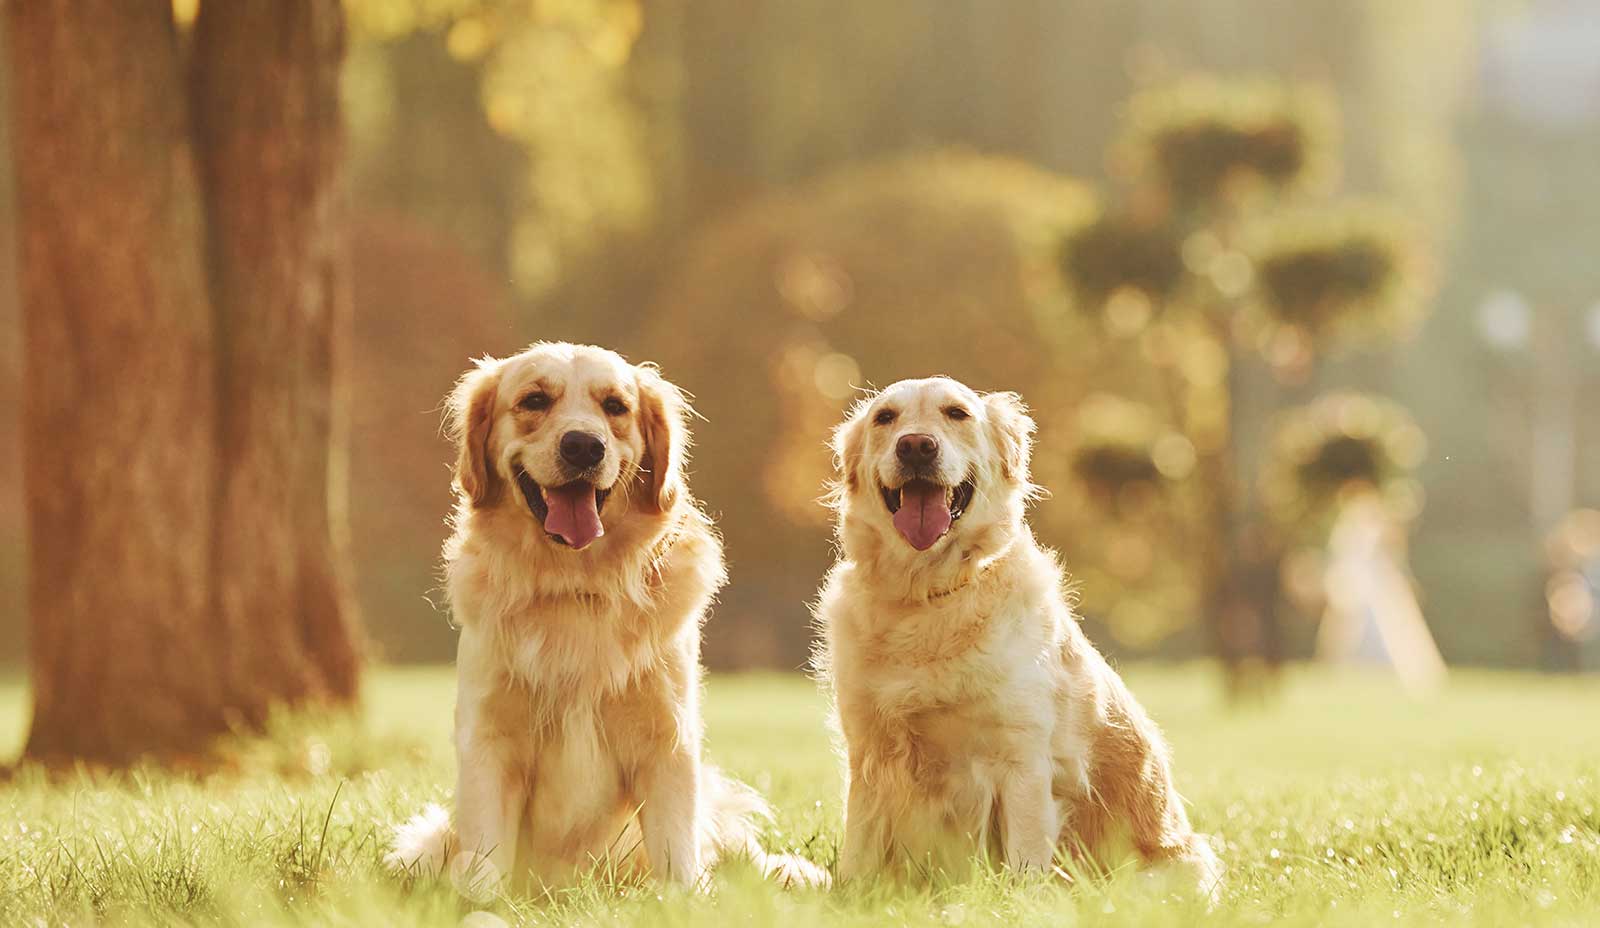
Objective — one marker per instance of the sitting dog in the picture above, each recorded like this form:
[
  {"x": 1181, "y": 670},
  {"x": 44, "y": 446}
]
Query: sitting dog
[
  {"x": 579, "y": 572},
  {"x": 977, "y": 718}
]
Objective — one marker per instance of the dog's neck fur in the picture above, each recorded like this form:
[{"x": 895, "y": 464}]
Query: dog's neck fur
[
  {"x": 976, "y": 575},
  {"x": 622, "y": 567},
  {"x": 901, "y": 574}
]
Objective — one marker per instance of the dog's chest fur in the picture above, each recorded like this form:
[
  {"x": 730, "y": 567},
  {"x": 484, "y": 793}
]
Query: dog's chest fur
[
  {"x": 578, "y": 758},
  {"x": 578, "y": 672},
  {"x": 957, "y": 677},
  {"x": 578, "y": 692},
  {"x": 552, "y": 634},
  {"x": 578, "y": 648},
  {"x": 941, "y": 700}
]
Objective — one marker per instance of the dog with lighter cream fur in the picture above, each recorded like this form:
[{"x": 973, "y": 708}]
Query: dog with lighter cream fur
[
  {"x": 977, "y": 720},
  {"x": 579, "y": 572}
]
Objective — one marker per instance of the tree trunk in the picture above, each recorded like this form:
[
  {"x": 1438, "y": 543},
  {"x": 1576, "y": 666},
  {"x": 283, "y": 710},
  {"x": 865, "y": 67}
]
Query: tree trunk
[
  {"x": 183, "y": 571},
  {"x": 117, "y": 405},
  {"x": 266, "y": 114}
]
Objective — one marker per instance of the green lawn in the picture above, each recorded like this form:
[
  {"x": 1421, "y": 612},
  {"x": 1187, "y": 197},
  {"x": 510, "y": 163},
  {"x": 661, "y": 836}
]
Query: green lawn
[{"x": 1346, "y": 803}]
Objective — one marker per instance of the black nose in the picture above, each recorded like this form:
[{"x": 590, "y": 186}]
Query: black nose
[
  {"x": 917, "y": 450},
  {"x": 581, "y": 449}
]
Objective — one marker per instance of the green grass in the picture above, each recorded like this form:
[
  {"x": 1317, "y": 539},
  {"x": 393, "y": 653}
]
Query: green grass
[{"x": 1346, "y": 803}]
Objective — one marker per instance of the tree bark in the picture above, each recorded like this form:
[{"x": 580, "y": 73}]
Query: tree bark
[
  {"x": 266, "y": 115},
  {"x": 183, "y": 291},
  {"x": 118, "y": 407}
]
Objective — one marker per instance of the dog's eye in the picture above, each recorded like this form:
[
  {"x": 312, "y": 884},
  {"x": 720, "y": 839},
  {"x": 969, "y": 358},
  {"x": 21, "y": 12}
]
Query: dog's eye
[
  {"x": 614, "y": 406},
  {"x": 885, "y": 416},
  {"x": 537, "y": 401},
  {"x": 957, "y": 413}
]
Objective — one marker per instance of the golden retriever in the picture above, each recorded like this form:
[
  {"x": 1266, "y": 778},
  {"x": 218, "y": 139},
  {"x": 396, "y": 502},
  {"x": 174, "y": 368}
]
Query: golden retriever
[
  {"x": 579, "y": 572},
  {"x": 977, "y": 719}
]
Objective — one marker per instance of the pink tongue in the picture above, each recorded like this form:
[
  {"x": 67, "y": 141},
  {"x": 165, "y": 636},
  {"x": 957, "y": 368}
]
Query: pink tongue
[
  {"x": 924, "y": 515},
  {"x": 572, "y": 514}
]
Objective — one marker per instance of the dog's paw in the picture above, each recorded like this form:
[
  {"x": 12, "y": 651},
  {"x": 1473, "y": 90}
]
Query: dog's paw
[
  {"x": 475, "y": 876},
  {"x": 793, "y": 872},
  {"x": 1195, "y": 875}
]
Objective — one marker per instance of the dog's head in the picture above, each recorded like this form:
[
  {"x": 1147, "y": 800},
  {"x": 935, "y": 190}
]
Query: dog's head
[
  {"x": 926, "y": 463},
  {"x": 572, "y": 435}
]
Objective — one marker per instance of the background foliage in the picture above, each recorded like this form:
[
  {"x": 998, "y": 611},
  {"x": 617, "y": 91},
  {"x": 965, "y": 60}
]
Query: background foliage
[{"x": 781, "y": 201}]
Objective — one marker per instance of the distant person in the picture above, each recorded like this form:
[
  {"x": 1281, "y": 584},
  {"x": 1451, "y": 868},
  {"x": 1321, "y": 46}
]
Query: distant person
[
  {"x": 1571, "y": 631},
  {"x": 1372, "y": 611}
]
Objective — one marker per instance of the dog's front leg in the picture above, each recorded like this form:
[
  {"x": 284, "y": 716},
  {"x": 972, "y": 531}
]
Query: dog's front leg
[
  {"x": 489, "y": 804},
  {"x": 866, "y": 847},
  {"x": 490, "y": 790},
  {"x": 670, "y": 816},
  {"x": 1028, "y": 816}
]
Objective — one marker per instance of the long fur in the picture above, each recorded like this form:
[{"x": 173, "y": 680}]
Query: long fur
[
  {"x": 425, "y": 844},
  {"x": 976, "y": 718},
  {"x": 578, "y": 727}
]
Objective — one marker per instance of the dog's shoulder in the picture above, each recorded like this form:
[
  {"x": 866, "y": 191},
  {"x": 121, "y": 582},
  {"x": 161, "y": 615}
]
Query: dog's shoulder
[
  {"x": 1036, "y": 575},
  {"x": 839, "y": 587},
  {"x": 694, "y": 543}
]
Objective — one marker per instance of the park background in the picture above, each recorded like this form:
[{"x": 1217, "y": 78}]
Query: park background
[
  {"x": 780, "y": 201},
  {"x": 1303, "y": 295}
]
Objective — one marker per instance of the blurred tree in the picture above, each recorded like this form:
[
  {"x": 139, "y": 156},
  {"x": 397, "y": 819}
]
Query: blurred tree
[
  {"x": 1342, "y": 445},
  {"x": 402, "y": 272},
  {"x": 553, "y": 78},
  {"x": 1224, "y": 249},
  {"x": 12, "y": 582},
  {"x": 778, "y": 92},
  {"x": 184, "y": 295},
  {"x": 421, "y": 145}
]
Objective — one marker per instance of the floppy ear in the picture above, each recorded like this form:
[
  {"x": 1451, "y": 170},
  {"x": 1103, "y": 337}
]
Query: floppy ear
[
  {"x": 470, "y": 417},
  {"x": 663, "y": 421},
  {"x": 1012, "y": 430},
  {"x": 848, "y": 437}
]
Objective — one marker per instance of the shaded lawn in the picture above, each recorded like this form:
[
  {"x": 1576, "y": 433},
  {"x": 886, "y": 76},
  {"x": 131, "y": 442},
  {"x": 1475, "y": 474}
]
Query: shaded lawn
[{"x": 1345, "y": 803}]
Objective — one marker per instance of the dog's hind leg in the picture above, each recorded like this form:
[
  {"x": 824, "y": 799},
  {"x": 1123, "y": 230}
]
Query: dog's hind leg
[{"x": 1168, "y": 845}]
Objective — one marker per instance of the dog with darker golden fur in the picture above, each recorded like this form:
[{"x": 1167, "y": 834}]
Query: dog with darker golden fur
[
  {"x": 977, "y": 719},
  {"x": 579, "y": 572}
]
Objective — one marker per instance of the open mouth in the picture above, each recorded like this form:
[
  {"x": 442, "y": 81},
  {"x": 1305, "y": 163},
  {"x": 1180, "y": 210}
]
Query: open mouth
[
  {"x": 923, "y": 511},
  {"x": 569, "y": 513}
]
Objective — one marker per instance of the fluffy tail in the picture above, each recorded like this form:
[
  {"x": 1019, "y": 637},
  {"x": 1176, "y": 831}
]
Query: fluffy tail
[
  {"x": 424, "y": 844},
  {"x": 733, "y": 811}
]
